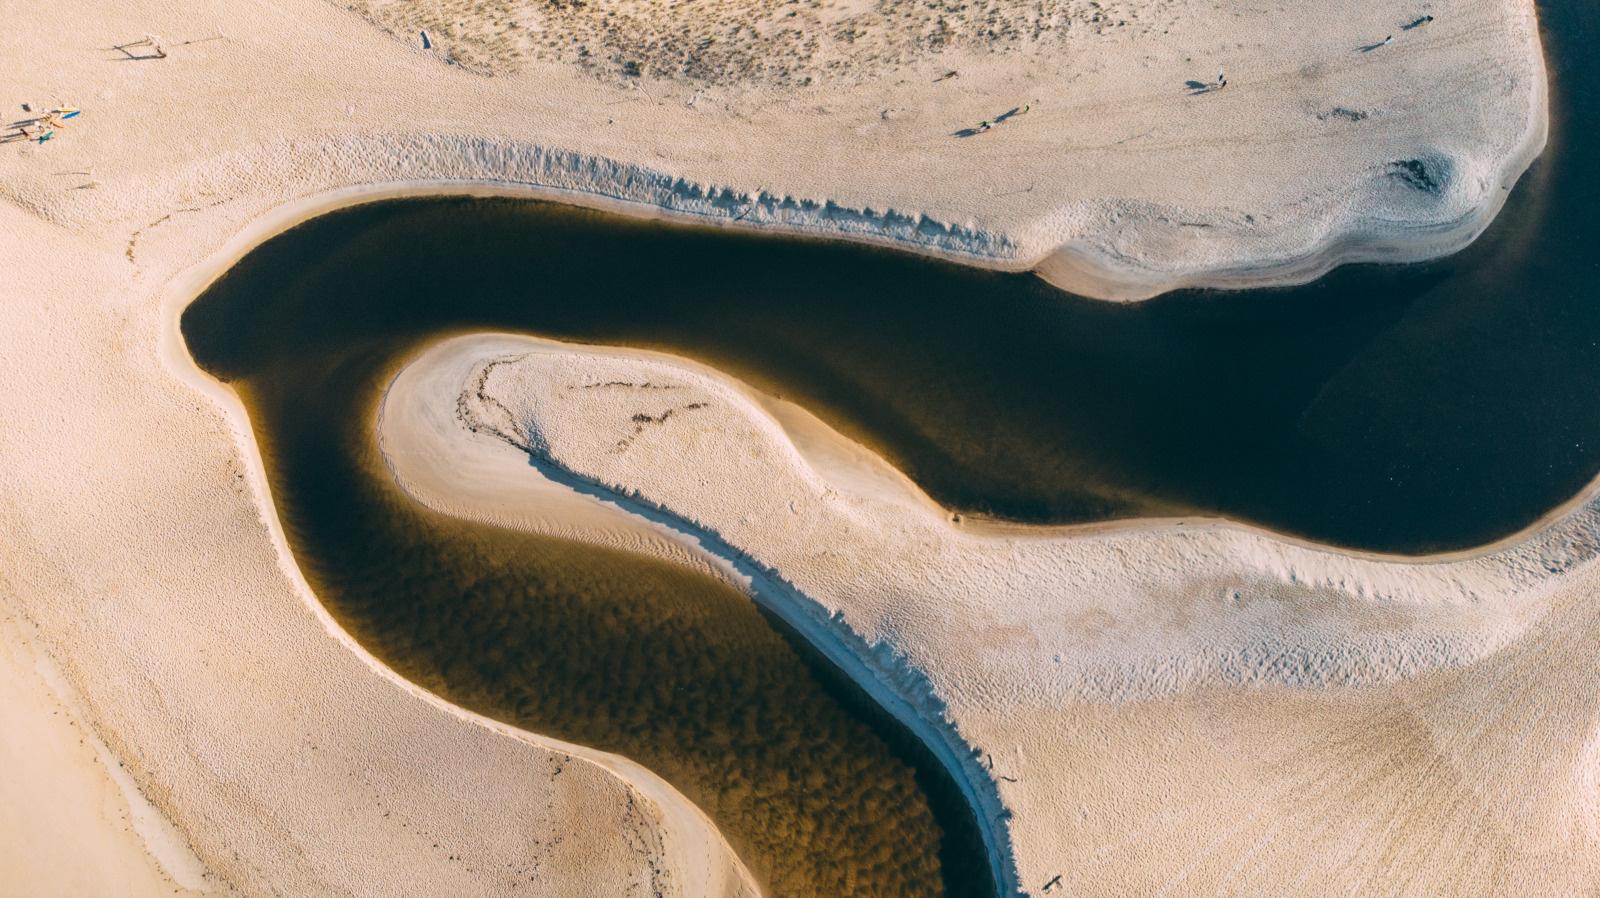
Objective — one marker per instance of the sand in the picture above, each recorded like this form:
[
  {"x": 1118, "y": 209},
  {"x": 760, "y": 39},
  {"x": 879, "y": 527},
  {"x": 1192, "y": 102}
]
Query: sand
[
  {"x": 1441, "y": 715},
  {"x": 75, "y": 824},
  {"x": 1120, "y": 181},
  {"x": 142, "y": 553},
  {"x": 280, "y": 754}
]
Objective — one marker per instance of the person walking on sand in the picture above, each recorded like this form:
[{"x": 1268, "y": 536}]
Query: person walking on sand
[{"x": 1222, "y": 80}]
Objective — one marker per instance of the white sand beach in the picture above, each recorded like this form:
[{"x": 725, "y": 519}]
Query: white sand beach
[
  {"x": 1120, "y": 181},
  {"x": 237, "y": 742}
]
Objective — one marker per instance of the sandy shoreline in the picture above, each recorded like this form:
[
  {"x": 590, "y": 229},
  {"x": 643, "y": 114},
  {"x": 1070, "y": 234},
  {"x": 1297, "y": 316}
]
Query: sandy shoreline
[
  {"x": 241, "y": 243},
  {"x": 142, "y": 543},
  {"x": 699, "y": 860},
  {"x": 1439, "y": 621},
  {"x": 490, "y": 485},
  {"x": 843, "y": 462},
  {"x": 1098, "y": 224}
]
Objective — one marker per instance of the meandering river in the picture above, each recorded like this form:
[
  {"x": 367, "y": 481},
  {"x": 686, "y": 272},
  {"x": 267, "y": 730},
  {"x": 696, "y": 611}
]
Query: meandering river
[{"x": 1403, "y": 409}]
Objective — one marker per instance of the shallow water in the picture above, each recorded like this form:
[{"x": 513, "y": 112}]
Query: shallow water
[{"x": 1404, "y": 409}]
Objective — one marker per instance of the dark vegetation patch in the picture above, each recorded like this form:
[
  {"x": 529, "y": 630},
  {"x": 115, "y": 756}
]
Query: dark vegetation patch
[
  {"x": 726, "y": 42},
  {"x": 1420, "y": 175},
  {"x": 1349, "y": 115}
]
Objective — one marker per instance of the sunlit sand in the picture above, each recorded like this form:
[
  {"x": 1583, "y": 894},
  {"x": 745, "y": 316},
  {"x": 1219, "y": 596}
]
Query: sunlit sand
[{"x": 1155, "y": 707}]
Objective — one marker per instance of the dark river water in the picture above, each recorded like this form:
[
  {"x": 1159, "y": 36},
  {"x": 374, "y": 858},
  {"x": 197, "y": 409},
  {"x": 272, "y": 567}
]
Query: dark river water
[
  {"x": 1408, "y": 408},
  {"x": 1404, "y": 409}
]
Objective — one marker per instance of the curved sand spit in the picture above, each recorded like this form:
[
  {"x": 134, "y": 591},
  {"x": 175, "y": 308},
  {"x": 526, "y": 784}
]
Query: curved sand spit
[
  {"x": 1459, "y": 693},
  {"x": 143, "y": 568}
]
